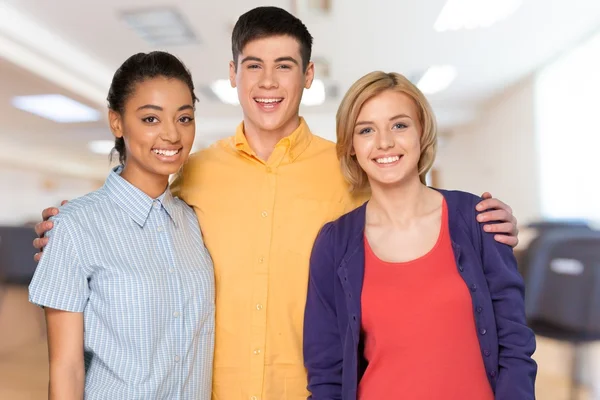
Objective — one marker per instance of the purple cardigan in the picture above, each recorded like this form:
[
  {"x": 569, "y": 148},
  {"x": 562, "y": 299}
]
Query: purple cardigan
[{"x": 332, "y": 346}]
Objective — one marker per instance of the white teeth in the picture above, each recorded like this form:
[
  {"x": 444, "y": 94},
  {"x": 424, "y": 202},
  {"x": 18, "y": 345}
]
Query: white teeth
[
  {"x": 168, "y": 153},
  {"x": 387, "y": 160},
  {"x": 268, "y": 100}
]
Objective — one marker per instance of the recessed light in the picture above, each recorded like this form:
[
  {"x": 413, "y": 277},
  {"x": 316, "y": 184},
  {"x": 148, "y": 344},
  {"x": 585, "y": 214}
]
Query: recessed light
[
  {"x": 437, "y": 78},
  {"x": 472, "y": 14},
  {"x": 57, "y": 108}
]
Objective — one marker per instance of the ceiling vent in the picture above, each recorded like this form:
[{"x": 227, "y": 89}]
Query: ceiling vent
[{"x": 160, "y": 26}]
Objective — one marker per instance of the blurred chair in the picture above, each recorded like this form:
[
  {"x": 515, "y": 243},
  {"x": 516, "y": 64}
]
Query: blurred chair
[
  {"x": 562, "y": 278},
  {"x": 16, "y": 254},
  {"x": 17, "y": 265}
]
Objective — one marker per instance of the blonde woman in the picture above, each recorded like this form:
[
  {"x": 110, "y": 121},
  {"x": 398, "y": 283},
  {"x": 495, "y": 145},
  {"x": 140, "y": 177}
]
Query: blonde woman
[{"x": 409, "y": 297}]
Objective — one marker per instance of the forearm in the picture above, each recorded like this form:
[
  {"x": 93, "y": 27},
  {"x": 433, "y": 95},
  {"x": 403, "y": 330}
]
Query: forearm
[{"x": 67, "y": 381}]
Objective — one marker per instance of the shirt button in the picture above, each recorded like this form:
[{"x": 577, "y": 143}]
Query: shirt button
[
  {"x": 483, "y": 331},
  {"x": 176, "y": 359},
  {"x": 171, "y": 270},
  {"x": 256, "y": 352},
  {"x": 259, "y": 307},
  {"x": 176, "y": 314},
  {"x": 261, "y": 260},
  {"x": 160, "y": 229},
  {"x": 473, "y": 287},
  {"x": 253, "y": 398},
  {"x": 264, "y": 214},
  {"x": 486, "y": 353},
  {"x": 461, "y": 268},
  {"x": 493, "y": 374},
  {"x": 269, "y": 169},
  {"x": 479, "y": 310}
]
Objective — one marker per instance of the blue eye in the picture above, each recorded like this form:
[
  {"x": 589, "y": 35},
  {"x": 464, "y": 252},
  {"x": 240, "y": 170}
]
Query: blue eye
[
  {"x": 365, "y": 130},
  {"x": 400, "y": 125}
]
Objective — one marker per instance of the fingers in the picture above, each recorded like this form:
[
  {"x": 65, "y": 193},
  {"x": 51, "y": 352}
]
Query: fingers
[
  {"x": 49, "y": 212},
  {"x": 43, "y": 227},
  {"x": 486, "y": 195},
  {"x": 62, "y": 203},
  {"x": 512, "y": 241},
  {"x": 505, "y": 228},
  {"x": 493, "y": 203},
  {"x": 497, "y": 216},
  {"x": 37, "y": 257},
  {"x": 39, "y": 243}
]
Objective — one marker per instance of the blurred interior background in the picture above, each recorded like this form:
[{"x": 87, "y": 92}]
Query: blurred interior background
[{"x": 514, "y": 84}]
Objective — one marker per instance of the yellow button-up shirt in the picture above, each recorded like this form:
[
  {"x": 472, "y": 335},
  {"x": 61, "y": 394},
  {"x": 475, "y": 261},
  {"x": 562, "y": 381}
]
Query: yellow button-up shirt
[{"x": 259, "y": 220}]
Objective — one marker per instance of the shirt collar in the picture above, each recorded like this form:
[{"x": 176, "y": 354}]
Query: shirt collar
[
  {"x": 294, "y": 144},
  {"x": 135, "y": 202}
]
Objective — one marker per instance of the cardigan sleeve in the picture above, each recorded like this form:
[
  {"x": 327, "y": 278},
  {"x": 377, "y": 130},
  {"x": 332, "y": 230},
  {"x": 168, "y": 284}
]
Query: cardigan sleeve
[
  {"x": 323, "y": 352},
  {"x": 517, "y": 369}
]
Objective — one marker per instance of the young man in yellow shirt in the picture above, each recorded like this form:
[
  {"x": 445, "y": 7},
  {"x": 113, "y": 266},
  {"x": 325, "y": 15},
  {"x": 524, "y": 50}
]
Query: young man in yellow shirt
[{"x": 261, "y": 197}]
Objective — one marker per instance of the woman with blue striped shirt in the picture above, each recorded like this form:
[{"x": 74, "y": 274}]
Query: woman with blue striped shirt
[{"x": 126, "y": 281}]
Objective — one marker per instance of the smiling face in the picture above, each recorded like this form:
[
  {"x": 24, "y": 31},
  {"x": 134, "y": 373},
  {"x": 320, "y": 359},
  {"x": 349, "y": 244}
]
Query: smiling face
[
  {"x": 387, "y": 139},
  {"x": 157, "y": 125},
  {"x": 270, "y": 81}
]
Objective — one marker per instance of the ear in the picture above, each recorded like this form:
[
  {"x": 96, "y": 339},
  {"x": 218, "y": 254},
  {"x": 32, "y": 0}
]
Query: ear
[
  {"x": 116, "y": 123},
  {"x": 232, "y": 73},
  {"x": 309, "y": 75}
]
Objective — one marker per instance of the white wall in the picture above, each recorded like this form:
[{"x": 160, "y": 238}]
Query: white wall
[
  {"x": 25, "y": 193},
  {"x": 497, "y": 153}
]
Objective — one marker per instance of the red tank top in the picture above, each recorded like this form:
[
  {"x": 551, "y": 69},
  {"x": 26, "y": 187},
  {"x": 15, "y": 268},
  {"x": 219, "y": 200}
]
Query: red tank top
[{"x": 419, "y": 330}]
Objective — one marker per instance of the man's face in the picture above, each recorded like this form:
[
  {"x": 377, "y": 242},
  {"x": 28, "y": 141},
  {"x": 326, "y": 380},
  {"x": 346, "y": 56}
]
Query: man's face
[{"x": 270, "y": 80}]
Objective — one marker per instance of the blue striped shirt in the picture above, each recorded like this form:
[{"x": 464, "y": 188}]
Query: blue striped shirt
[{"x": 138, "y": 269}]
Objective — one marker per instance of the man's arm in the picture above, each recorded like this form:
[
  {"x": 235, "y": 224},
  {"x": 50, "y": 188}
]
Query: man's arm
[{"x": 65, "y": 353}]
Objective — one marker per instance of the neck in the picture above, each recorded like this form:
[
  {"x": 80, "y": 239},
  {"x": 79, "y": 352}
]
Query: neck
[
  {"x": 399, "y": 204},
  {"x": 263, "y": 141},
  {"x": 151, "y": 184}
]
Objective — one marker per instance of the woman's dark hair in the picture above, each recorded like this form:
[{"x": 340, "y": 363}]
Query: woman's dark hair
[{"x": 137, "y": 69}]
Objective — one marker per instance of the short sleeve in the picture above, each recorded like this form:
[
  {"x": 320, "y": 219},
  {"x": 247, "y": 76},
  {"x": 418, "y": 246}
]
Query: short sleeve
[{"x": 59, "y": 281}]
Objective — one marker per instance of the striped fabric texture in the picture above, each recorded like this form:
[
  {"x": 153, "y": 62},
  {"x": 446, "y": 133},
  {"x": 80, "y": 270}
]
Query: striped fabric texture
[{"x": 138, "y": 270}]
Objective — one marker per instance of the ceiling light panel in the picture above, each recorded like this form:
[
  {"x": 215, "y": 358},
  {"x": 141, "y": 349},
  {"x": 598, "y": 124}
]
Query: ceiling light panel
[
  {"x": 160, "y": 26},
  {"x": 57, "y": 108}
]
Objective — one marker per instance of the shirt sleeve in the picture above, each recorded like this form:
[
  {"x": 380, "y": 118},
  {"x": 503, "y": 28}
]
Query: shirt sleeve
[{"x": 59, "y": 281}]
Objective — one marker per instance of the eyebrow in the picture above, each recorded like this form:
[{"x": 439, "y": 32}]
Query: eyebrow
[
  {"x": 159, "y": 108},
  {"x": 277, "y": 60},
  {"x": 391, "y": 119}
]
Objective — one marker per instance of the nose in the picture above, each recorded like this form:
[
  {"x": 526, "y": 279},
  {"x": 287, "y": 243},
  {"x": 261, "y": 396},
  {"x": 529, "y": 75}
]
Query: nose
[
  {"x": 170, "y": 133},
  {"x": 268, "y": 79},
  {"x": 385, "y": 140}
]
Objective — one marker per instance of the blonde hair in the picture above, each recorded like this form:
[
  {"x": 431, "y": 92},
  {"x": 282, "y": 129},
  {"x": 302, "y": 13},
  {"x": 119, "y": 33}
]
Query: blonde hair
[{"x": 360, "y": 92}]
